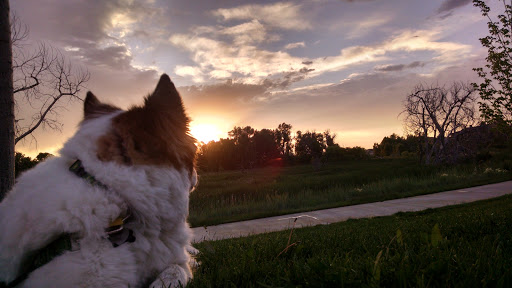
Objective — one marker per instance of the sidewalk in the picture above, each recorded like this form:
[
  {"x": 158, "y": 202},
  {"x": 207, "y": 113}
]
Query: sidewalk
[{"x": 333, "y": 215}]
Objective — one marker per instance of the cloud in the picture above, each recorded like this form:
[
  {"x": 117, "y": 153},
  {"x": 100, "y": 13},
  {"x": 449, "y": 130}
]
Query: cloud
[
  {"x": 247, "y": 33},
  {"x": 216, "y": 57},
  {"x": 95, "y": 31},
  {"x": 410, "y": 41},
  {"x": 449, "y": 5},
  {"x": 247, "y": 61},
  {"x": 116, "y": 57},
  {"x": 194, "y": 72},
  {"x": 287, "y": 79},
  {"x": 294, "y": 45},
  {"x": 362, "y": 27},
  {"x": 284, "y": 15},
  {"x": 399, "y": 67}
]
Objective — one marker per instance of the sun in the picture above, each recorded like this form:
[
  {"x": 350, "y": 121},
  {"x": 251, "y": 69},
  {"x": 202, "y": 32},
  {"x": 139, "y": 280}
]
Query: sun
[{"x": 205, "y": 132}]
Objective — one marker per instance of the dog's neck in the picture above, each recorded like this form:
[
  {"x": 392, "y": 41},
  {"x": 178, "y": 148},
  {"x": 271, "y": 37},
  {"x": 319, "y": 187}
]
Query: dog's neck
[{"x": 79, "y": 170}]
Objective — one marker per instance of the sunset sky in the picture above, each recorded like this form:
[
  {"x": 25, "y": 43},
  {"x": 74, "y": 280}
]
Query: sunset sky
[{"x": 318, "y": 64}]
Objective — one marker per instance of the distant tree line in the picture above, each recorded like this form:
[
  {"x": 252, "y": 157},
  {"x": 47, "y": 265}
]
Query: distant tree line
[
  {"x": 470, "y": 143},
  {"x": 247, "y": 148}
]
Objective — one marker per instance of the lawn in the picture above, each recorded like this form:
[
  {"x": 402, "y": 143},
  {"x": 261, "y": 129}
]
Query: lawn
[
  {"x": 240, "y": 195},
  {"x": 459, "y": 246}
]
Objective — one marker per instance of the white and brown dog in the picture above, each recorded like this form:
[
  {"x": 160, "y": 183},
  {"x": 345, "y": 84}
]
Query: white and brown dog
[{"x": 123, "y": 204}]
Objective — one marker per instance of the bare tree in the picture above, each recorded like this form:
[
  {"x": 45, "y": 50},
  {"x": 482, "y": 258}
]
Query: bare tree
[
  {"x": 37, "y": 78},
  {"x": 6, "y": 103},
  {"x": 43, "y": 79},
  {"x": 435, "y": 113}
]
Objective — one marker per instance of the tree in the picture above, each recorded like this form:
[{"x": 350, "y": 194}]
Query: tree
[
  {"x": 389, "y": 146},
  {"x": 43, "y": 78},
  {"x": 242, "y": 139},
  {"x": 396, "y": 146},
  {"x": 265, "y": 145},
  {"x": 38, "y": 78},
  {"x": 6, "y": 103},
  {"x": 435, "y": 113},
  {"x": 24, "y": 163},
  {"x": 309, "y": 145},
  {"x": 284, "y": 139},
  {"x": 496, "y": 88},
  {"x": 336, "y": 153},
  {"x": 329, "y": 139}
]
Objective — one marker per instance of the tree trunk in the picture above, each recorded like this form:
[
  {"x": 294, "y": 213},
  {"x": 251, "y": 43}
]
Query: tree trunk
[{"x": 6, "y": 103}]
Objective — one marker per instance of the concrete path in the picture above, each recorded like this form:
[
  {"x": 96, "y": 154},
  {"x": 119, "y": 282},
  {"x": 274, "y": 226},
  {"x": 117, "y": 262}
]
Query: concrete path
[{"x": 333, "y": 215}]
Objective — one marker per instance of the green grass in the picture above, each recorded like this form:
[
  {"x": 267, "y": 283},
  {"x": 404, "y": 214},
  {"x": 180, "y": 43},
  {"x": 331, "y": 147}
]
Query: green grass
[
  {"x": 459, "y": 246},
  {"x": 235, "y": 195}
]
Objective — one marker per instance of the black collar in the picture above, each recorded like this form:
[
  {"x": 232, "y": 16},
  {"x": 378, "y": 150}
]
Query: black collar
[{"x": 79, "y": 170}]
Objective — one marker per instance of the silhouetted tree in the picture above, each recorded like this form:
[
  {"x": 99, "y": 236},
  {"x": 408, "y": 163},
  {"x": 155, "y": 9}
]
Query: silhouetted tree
[
  {"x": 265, "y": 146},
  {"x": 6, "y": 103},
  {"x": 389, "y": 146},
  {"x": 396, "y": 146},
  {"x": 217, "y": 155},
  {"x": 328, "y": 138},
  {"x": 309, "y": 145},
  {"x": 335, "y": 153},
  {"x": 244, "y": 152},
  {"x": 436, "y": 112},
  {"x": 24, "y": 163},
  {"x": 227, "y": 150},
  {"x": 43, "y": 156},
  {"x": 37, "y": 77},
  {"x": 284, "y": 139}
]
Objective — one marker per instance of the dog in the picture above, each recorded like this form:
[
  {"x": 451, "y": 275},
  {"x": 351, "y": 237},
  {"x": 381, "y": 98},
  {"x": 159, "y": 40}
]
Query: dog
[{"x": 123, "y": 204}]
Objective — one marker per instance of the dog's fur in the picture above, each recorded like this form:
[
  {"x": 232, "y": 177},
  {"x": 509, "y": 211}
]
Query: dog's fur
[{"x": 145, "y": 158}]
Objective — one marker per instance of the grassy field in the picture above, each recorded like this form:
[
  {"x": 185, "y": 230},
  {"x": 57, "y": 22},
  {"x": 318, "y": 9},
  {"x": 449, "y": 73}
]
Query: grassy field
[
  {"x": 240, "y": 195},
  {"x": 459, "y": 246}
]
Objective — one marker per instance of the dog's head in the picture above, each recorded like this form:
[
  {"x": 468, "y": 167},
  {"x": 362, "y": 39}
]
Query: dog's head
[{"x": 155, "y": 133}]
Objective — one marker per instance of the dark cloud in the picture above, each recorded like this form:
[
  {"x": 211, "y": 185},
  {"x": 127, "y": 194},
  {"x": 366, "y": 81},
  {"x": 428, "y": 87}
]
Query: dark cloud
[
  {"x": 115, "y": 57},
  {"x": 389, "y": 68},
  {"x": 449, "y": 5},
  {"x": 399, "y": 67},
  {"x": 287, "y": 79},
  {"x": 416, "y": 64},
  {"x": 307, "y": 62},
  {"x": 227, "y": 90}
]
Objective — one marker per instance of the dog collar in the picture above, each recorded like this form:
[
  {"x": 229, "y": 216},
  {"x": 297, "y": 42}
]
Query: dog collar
[{"x": 79, "y": 170}]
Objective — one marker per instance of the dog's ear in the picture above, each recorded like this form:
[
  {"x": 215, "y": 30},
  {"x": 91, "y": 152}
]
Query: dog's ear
[
  {"x": 94, "y": 108},
  {"x": 166, "y": 97}
]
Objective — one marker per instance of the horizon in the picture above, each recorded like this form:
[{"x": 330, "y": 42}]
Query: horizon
[{"x": 342, "y": 65}]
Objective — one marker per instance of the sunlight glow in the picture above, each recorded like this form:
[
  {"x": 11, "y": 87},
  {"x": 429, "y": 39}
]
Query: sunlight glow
[{"x": 205, "y": 132}]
